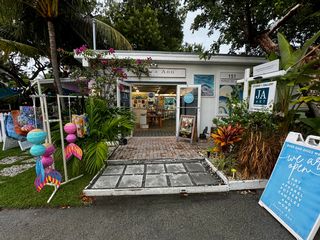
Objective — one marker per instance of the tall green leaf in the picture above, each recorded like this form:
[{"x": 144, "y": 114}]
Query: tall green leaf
[
  {"x": 95, "y": 156},
  {"x": 285, "y": 52}
]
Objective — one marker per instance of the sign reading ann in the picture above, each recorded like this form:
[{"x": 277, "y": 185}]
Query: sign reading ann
[{"x": 292, "y": 194}]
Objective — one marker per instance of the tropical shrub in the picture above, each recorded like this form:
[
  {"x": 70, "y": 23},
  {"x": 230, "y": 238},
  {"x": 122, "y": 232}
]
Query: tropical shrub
[
  {"x": 105, "y": 125},
  {"x": 258, "y": 153},
  {"x": 225, "y": 138}
]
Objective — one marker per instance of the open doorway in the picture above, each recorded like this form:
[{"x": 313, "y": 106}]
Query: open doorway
[{"x": 154, "y": 107}]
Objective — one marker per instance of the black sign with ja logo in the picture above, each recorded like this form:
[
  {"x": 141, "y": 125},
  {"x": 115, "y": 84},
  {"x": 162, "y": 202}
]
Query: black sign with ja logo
[{"x": 261, "y": 96}]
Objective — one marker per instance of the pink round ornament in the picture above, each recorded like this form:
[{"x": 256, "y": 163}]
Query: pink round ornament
[
  {"x": 50, "y": 149},
  {"x": 46, "y": 161},
  {"x": 70, "y": 128},
  {"x": 71, "y": 138}
]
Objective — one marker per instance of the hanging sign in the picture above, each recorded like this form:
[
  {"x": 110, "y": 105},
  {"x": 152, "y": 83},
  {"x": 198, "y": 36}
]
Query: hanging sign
[
  {"x": 292, "y": 194},
  {"x": 265, "y": 68},
  {"x": 262, "y": 96}
]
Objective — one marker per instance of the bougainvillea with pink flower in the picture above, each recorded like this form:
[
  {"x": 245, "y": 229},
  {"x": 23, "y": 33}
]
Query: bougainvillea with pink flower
[{"x": 105, "y": 69}]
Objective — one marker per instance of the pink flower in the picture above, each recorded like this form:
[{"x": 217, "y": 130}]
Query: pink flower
[
  {"x": 138, "y": 61},
  {"x": 104, "y": 62},
  {"x": 81, "y": 49},
  {"x": 111, "y": 51}
]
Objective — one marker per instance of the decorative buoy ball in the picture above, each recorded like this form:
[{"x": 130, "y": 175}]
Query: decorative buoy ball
[
  {"x": 46, "y": 161},
  {"x": 70, "y": 128},
  {"x": 37, "y": 150},
  {"x": 71, "y": 138},
  {"x": 36, "y": 136},
  {"x": 50, "y": 149}
]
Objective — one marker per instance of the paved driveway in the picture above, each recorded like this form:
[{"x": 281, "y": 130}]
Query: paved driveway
[{"x": 219, "y": 216}]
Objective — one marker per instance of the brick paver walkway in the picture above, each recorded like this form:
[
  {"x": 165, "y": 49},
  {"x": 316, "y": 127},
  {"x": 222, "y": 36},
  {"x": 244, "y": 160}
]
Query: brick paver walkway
[{"x": 142, "y": 148}]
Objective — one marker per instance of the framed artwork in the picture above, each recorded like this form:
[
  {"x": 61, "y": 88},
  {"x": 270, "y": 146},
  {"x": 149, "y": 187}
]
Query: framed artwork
[
  {"x": 207, "y": 84},
  {"x": 187, "y": 127}
]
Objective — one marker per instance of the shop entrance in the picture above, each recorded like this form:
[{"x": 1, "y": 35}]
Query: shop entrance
[
  {"x": 154, "y": 107},
  {"x": 157, "y": 108}
]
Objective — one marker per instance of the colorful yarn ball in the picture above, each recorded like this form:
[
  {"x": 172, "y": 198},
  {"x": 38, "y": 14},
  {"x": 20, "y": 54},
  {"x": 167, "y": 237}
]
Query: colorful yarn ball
[
  {"x": 37, "y": 150},
  {"x": 50, "y": 149},
  {"x": 36, "y": 136},
  {"x": 70, "y": 128},
  {"x": 71, "y": 138},
  {"x": 46, "y": 161}
]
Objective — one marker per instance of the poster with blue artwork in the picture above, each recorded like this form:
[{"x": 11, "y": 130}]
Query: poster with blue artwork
[
  {"x": 207, "y": 84},
  {"x": 292, "y": 194}
]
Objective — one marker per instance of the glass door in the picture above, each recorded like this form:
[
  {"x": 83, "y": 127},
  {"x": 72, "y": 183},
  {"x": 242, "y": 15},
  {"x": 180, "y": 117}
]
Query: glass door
[
  {"x": 123, "y": 94},
  {"x": 188, "y": 103}
]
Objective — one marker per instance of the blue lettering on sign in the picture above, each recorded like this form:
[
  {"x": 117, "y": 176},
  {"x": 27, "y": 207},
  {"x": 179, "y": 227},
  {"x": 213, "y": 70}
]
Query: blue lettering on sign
[
  {"x": 293, "y": 191},
  {"x": 188, "y": 98},
  {"x": 261, "y": 96}
]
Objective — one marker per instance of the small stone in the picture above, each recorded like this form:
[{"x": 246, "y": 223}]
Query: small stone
[{"x": 15, "y": 170}]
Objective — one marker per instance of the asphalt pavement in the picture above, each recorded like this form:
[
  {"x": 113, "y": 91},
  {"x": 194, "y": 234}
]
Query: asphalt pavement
[{"x": 211, "y": 216}]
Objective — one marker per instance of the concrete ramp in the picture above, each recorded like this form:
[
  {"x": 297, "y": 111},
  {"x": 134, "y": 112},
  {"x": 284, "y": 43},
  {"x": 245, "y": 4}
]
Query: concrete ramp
[{"x": 151, "y": 177}]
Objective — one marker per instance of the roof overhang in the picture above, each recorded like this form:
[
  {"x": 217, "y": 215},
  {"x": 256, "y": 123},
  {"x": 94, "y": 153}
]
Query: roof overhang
[{"x": 178, "y": 58}]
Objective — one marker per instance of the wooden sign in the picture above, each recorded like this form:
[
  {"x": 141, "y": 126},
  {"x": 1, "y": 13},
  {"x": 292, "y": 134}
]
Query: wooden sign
[
  {"x": 187, "y": 127},
  {"x": 292, "y": 194}
]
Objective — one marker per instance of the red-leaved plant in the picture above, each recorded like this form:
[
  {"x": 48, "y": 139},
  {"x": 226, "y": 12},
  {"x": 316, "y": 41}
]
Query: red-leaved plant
[{"x": 225, "y": 137}]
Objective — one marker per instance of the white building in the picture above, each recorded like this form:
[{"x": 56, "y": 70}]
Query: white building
[{"x": 173, "y": 88}]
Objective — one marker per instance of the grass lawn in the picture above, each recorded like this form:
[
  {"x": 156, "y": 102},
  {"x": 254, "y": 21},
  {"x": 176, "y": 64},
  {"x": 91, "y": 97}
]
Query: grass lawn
[{"x": 20, "y": 192}]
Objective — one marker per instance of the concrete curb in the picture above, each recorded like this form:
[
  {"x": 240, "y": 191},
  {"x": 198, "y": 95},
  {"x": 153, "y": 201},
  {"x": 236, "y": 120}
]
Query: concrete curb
[
  {"x": 233, "y": 185},
  {"x": 247, "y": 184},
  {"x": 154, "y": 191}
]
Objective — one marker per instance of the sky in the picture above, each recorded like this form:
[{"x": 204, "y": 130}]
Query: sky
[{"x": 200, "y": 36}]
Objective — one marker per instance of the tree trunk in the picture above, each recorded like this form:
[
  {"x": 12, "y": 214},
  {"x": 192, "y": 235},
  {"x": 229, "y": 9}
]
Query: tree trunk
[
  {"x": 54, "y": 60},
  {"x": 266, "y": 43}
]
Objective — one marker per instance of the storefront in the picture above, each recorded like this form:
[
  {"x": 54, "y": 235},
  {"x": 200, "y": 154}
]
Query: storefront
[{"x": 180, "y": 84}]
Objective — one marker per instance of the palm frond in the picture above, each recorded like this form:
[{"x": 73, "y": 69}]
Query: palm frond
[
  {"x": 95, "y": 156},
  {"x": 113, "y": 127},
  {"x": 112, "y": 36},
  {"x": 9, "y": 46}
]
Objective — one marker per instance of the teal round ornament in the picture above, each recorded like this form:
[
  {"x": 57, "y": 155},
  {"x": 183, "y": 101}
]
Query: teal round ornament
[
  {"x": 37, "y": 150},
  {"x": 36, "y": 136},
  {"x": 188, "y": 98}
]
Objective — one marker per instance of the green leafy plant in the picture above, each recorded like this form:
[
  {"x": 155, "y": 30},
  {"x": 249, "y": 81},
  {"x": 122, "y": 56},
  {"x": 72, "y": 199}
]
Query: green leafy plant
[
  {"x": 227, "y": 163},
  {"x": 105, "y": 125},
  {"x": 301, "y": 83}
]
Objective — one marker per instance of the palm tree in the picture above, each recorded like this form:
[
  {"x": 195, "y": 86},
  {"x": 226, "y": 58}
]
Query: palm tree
[{"x": 22, "y": 28}]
